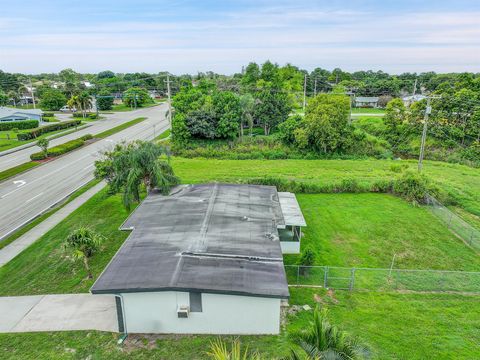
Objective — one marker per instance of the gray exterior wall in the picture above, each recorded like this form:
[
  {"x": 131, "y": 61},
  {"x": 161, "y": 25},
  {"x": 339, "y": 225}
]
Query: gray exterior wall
[{"x": 156, "y": 312}]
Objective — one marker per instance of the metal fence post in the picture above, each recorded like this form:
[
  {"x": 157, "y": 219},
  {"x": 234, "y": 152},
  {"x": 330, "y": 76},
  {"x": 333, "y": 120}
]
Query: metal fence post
[
  {"x": 352, "y": 279},
  {"x": 325, "y": 276}
]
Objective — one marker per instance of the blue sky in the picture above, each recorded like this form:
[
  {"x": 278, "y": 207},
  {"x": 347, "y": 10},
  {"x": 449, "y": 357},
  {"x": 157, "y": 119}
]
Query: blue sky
[{"x": 190, "y": 36}]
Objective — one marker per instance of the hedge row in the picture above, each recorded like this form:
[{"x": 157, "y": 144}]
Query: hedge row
[
  {"x": 61, "y": 149},
  {"x": 34, "y": 133},
  {"x": 21, "y": 125},
  {"x": 88, "y": 114}
]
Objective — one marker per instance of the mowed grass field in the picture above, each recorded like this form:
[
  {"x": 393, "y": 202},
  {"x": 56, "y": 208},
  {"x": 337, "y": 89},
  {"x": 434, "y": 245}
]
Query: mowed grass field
[
  {"x": 462, "y": 182},
  {"x": 394, "y": 326},
  {"x": 366, "y": 230},
  {"x": 344, "y": 229}
]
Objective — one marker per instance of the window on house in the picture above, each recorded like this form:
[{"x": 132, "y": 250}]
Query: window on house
[{"x": 195, "y": 302}]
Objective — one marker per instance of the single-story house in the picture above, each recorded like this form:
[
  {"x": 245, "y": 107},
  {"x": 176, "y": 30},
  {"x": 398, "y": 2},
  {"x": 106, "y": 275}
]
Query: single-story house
[
  {"x": 206, "y": 259},
  {"x": 409, "y": 100},
  {"x": 13, "y": 114},
  {"x": 366, "y": 101}
]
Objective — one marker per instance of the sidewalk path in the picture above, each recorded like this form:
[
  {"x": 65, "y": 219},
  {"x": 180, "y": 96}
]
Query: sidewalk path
[
  {"x": 58, "y": 313},
  {"x": 24, "y": 241}
]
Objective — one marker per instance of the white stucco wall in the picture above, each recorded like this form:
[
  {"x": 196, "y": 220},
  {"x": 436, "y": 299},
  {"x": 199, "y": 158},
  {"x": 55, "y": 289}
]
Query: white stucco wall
[
  {"x": 156, "y": 312},
  {"x": 290, "y": 247}
]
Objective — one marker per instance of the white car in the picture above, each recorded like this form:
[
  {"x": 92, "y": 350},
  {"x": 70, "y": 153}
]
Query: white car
[{"x": 67, "y": 109}]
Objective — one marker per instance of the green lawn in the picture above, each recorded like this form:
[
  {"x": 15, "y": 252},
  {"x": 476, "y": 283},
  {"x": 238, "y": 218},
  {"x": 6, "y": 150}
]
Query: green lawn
[
  {"x": 123, "y": 107},
  {"x": 366, "y": 230},
  {"x": 367, "y": 111},
  {"x": 44, "y": 267},
  {"x": 346, "y": 229},
  {"x": 461, "y": 181},
  {"x": 8, "y": 139},
  {"x": 394, "y": 326}
]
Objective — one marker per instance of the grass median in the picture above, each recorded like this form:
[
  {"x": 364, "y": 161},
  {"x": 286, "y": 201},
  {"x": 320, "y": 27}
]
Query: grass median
[
  {"x": 31, "y": 164},
  {"x": 119, "y": 128}
]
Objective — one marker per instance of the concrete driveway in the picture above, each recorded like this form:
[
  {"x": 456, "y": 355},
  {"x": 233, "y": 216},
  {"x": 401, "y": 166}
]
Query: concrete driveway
[{"x": 58, "y": 313}]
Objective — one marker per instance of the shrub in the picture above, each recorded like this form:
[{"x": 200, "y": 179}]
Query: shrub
[
  {"x": 38, "y": 156},
  {"x": 24, "y": 124},
  {"x": 62, "y": 149},
  {"x": 34, "y": 133},
  {"x": 413, "y": 187},
  {"x": 48, "y": 114},
  {"x": 87, "y": 137},
  {"x": 93, "y": 116},
  {"x": 308, "y": 257}
]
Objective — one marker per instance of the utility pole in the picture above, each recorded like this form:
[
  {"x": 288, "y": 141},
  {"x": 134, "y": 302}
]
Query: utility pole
[
  {"x": 315, "y": 88},
  {"x": 428, "y": 110},
  {"x": 304, "y": 93},
  {"x": 415, "y": 87},
  {"x": 31, "y": 92},
  {"x": 169, "y": 100},
  {"x": 350, "y": 103}
]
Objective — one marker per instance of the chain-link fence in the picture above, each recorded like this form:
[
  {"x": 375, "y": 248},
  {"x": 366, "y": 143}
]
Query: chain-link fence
[
  {"x": 455, "y": 223},
  {"x": 383, "y": 279}
]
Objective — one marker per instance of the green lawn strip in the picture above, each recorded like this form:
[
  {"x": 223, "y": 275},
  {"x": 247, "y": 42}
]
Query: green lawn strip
[
  {"x": 367, "y": 111},
  {"x": 119, "y": 128},
  {"x": 402, "y": 326},
  {"x": 13, "y": 142},
  {"x": 17, "y": 170},
  {"x": 366, "y": 230},
  {"x": 44, "y": 268},
  {"x": 394, "y": 326},
  {"x": 46, "y": 215},
  {"x": 462, "y": 182},
  {"x": 123, "y": 107},
  {"x": 163, "y": 135}
]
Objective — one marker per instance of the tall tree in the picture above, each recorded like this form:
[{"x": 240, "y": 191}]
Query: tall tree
[{"x": 271, "y": 108}]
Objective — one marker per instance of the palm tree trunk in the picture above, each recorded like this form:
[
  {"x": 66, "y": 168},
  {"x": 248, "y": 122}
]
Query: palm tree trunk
[{"x": 87, "y": 267}]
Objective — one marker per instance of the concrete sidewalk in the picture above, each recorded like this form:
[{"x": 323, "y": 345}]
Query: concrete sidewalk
[
  {"x": 24, "y": 241},
  {"x": 58, "y": 313}
]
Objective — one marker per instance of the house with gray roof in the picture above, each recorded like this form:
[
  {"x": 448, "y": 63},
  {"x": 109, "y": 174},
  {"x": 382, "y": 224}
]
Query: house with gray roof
[
  {"x": 206, "y": 259},
  {"x": 13, "y": 114}
]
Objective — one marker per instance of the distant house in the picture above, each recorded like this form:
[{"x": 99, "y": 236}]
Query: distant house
[
  {"x": 12, "y": 114},
  {"x": 206, "y": 259},
  {"x": 409, "y": 100},
  {"x": 87, "y": 84},
  {"x": 366, "y": 101}
]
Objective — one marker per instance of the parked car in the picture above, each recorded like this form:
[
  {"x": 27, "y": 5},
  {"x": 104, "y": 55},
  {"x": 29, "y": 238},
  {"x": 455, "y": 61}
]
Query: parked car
[{"x": 67, "y": 109}]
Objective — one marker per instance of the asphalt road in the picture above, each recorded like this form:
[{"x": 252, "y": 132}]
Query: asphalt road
[
  {"x": 95, "y": 127},
  {"x": 27, "y": 195}
]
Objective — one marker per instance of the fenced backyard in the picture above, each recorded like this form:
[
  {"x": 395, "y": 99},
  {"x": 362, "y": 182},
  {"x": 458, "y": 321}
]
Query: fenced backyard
[
  {"x": 372, "y": 279},
  {"x": 455, "y": 223}
]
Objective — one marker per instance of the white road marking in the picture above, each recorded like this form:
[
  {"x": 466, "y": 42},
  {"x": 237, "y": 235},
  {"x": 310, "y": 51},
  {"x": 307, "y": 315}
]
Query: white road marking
[
  {"x": 88, "y": 167},
  {"x": 19, "y": 183},
  {"x": 33, "y": 198}
]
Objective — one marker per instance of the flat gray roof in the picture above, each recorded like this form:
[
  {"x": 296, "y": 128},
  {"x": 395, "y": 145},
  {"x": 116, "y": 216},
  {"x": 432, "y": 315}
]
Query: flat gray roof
[
  {"x": 217, "y": 238},
  {"x": 292, "y": 214}
]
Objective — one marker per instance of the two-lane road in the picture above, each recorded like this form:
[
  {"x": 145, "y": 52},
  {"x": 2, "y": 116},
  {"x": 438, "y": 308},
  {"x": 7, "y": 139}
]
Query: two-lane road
[
  {"x": 95, "y": 127},
  {"x": 27, "y": 195}
]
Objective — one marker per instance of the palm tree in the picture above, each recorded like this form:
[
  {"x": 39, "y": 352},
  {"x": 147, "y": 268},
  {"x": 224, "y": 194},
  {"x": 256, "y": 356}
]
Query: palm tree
[
  {"x": 85, "y": 102},
  {"x": 247, "y": 103},
  {"x": 83, "y": 243},
  {"x": 219, "y": 351},
  {"x": 326, "y": 341},
  {"x": 13, "y": 96},
  {"x": 129, "y": 167}
]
